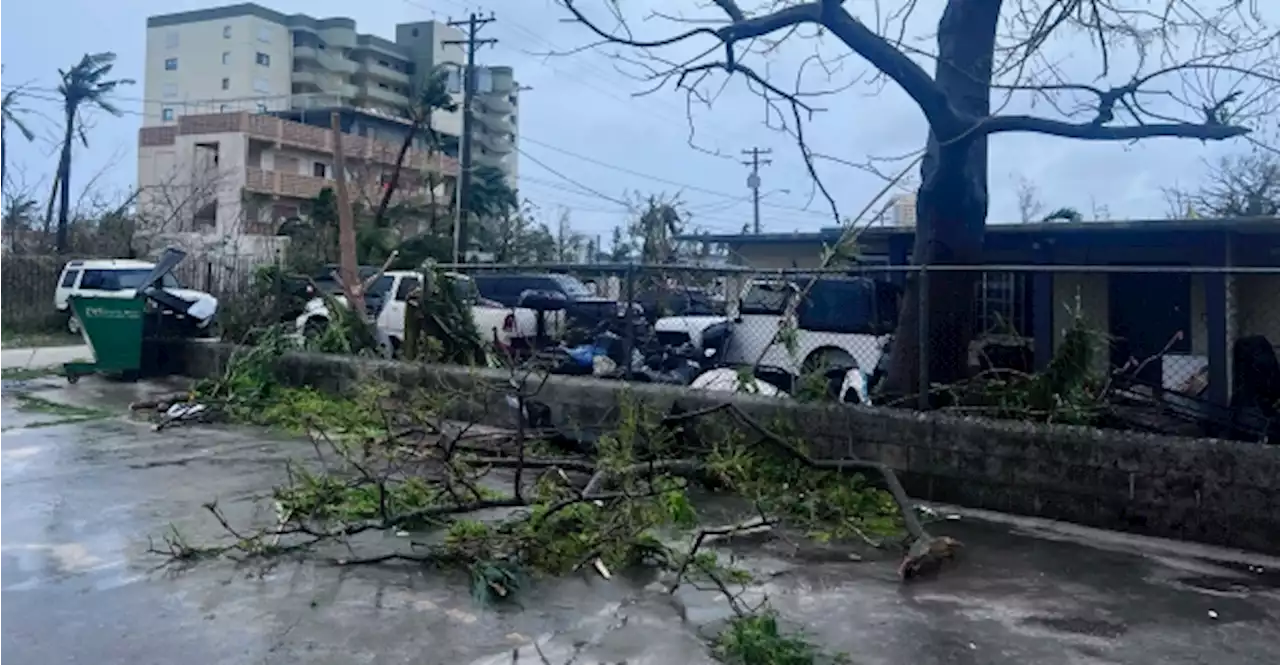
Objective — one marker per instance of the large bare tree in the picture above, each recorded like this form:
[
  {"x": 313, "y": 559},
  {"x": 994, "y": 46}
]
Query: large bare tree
[{"x": 1197, "y": 69}]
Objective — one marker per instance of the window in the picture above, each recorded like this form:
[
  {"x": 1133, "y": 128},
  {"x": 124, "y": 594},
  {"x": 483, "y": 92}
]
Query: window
[
  {"x": 845, "y": 306},
  {"x": 319, "y": 169},
  {"x": 116, "y": 280},
  {"x": 171, "y": 39},
  {"x": 226, "y": 57},
  {"x": 1000, "y": 302},
  {"x": 169, "y": 90},
  {"x": 171, "y": 64},
  {"x": 226, "y": 83},
  {"x": 264, "y": 34},
  {"x": 263, "y": 59},
  {"x": 379, "y": 288},
  {"x": 769, "y": 298},
  {"x": 407, "y": 285},
  {"x": 261, "y": 85},
  {"x": 226, "y": 32},
  {"x": 571, "y": 286},
  {"x": 69, "y": 279},
  {"x": 166, "y": 115}
]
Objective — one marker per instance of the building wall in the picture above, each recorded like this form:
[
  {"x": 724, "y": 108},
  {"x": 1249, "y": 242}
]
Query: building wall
[
  {"x": 1259, "y": 306},
  {"x": 196, "y": 85}
]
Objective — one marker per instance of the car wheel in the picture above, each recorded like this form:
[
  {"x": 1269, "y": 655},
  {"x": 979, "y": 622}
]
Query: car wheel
[{"x": 73, "y": 325}]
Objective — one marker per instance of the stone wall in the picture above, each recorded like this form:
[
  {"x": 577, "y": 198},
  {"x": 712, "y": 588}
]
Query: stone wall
[{"x": 1217, "y": 492}]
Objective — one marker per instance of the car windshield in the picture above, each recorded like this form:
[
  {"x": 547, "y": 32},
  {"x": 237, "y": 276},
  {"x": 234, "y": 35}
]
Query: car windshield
[
  {"x": 465, "y": 290},
  {"x": 766, "y": 298},
  {"x": 380, "y": 287},
  {"x": 132, "y": 279},
  {"x": 572, "y": 286},
  {"x": 840, "y": 306}
]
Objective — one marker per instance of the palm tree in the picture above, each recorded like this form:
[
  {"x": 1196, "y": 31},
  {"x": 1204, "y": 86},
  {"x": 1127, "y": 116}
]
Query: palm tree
[
  {"x": 84, "y": 84},
  {"x": 490, "y": 196},
  {"x": 11, "y": 111},
  {"x": 18, "y": 216},
  {"x": 433, "y": 96}
]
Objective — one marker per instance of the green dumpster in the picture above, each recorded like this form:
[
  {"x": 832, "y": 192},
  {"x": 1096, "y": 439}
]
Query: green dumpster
[{"x": 113, "y": 328}]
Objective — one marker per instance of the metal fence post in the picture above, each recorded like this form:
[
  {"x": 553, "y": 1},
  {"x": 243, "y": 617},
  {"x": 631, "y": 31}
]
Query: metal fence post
[
  {"x": 922, "y": 337},
  {"x": 629, "y": 340}
]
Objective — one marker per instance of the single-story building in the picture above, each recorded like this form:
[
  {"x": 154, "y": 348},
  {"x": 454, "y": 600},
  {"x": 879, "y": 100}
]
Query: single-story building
[{"x": 1212, "y": 280}]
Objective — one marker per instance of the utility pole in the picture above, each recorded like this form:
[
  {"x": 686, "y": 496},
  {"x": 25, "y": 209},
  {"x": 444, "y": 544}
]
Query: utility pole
[
  {"x": 753, "y": 180},
  {"x": 473, "y": 24}
]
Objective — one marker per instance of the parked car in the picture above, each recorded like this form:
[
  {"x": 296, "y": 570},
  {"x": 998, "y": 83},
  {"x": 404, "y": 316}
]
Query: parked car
[
  {"x": 115, "y": 278},
  {"x": 509, "y": 327},
  {"x": 583, "y": 309},
  {"x": 662, "y": 301},
  {"x": 842, "y": 328}
]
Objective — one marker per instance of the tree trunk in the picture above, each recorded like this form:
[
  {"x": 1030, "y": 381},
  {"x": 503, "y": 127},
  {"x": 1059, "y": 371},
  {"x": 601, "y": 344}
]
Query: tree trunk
[
  {"x": 349, "y": 271},
  {"x": 951, "y": 209},
  {"x": 395, "y": 173},
  {"x": 4, "y": 207},
  {"x": 64, "y": 177}
]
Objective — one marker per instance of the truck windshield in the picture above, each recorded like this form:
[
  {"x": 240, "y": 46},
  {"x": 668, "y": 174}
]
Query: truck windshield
[
  {"x": 465, "y": 290},
  {"x": 572, "y": 286},
  {"x": 766, "y": 298},
  {"x": 840, "y": 306}
]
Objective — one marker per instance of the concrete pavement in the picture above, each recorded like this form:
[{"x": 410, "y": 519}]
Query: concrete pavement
[
  {"x": 43, "y": 357},
  {"x": 81, "y": 500}
]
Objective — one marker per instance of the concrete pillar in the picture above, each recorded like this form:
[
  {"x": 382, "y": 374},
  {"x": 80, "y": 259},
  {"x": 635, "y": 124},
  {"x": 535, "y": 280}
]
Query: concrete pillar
[
  {"x": 1216, "y": 314},
  {"x": 1042, "y": 305}
]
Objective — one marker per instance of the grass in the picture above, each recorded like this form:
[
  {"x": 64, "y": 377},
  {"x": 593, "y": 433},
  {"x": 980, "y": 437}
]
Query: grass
[
  {"x": 25, "y": 340},
  {"x": 29, "y": 373},
  {"x": 65, "y": 413}
]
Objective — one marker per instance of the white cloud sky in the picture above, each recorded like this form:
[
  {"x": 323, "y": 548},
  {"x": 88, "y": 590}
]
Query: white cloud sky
[{"x": 581, "y": 105}]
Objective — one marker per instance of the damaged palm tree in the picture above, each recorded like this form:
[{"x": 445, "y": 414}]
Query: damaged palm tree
[{"x": 438, "y": 325}]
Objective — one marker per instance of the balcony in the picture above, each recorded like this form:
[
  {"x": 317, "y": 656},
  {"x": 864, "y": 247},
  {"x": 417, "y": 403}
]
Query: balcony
[
  {"x": 325, "y": 58},
  {"x": 384, "y": 95},
  {"x": 296, "y": 135},
  {"x": 382, "y": 73},
  {"x": 496, "y": 143},
  {"x": 284, "y": 185},
  {"x": 496, "y": 122},
  {"x": 497, "y": 103}
]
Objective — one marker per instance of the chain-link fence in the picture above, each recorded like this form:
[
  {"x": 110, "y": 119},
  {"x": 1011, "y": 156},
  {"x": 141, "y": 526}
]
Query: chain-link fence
[
  {"x": 1159, "y": 329},
  {"x": 29, "y": 282}
]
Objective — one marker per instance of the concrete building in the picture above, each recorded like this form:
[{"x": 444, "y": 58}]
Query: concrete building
[
  {"x": 246, "y": 57},
  {"x": 223, "y": 183}
]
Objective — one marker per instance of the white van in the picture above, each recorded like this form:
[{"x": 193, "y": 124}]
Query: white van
[{"x": 112, "y": 278}]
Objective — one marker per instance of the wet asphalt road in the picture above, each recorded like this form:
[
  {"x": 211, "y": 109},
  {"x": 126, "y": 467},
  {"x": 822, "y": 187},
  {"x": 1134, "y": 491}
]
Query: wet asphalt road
[{"x": 80, "y": 501}]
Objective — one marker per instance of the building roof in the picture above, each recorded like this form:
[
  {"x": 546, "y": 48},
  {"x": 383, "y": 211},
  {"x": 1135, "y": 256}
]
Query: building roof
[{"x": 1268, "y": 225}]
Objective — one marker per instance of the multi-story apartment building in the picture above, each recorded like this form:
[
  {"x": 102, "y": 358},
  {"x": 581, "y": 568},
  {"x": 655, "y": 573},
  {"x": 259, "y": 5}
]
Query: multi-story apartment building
[
  {"x": 246, "y": 57},
  {"x": 225, "y": 182}
]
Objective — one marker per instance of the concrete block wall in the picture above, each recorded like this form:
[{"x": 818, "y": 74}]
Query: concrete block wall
[{"x": 1218, "y": 492}]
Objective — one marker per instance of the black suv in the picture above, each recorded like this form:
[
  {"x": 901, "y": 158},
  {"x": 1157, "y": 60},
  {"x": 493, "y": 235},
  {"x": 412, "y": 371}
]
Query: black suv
[{"x": 582, "y": 307}]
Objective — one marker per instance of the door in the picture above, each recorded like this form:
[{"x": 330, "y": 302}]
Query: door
[
  {"x": 391, "y": 319},
  {"x": 1147, "y": 310}
]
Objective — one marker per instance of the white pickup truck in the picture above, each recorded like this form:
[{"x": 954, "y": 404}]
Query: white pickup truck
[{"x": 510, "y": 327}]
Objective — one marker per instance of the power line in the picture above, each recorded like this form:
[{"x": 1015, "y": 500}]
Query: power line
[{"x": 666, "y": 181}]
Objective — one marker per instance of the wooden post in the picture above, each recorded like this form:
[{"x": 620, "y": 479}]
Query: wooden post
[{"x": 349, "y": 271}]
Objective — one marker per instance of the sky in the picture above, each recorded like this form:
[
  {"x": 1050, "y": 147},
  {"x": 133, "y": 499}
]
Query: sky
[{"x": 589, "y": 143}]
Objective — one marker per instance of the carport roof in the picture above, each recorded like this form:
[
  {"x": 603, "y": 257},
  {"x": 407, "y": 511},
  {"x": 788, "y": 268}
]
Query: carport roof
[{"x": 1242, "y": 225}]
